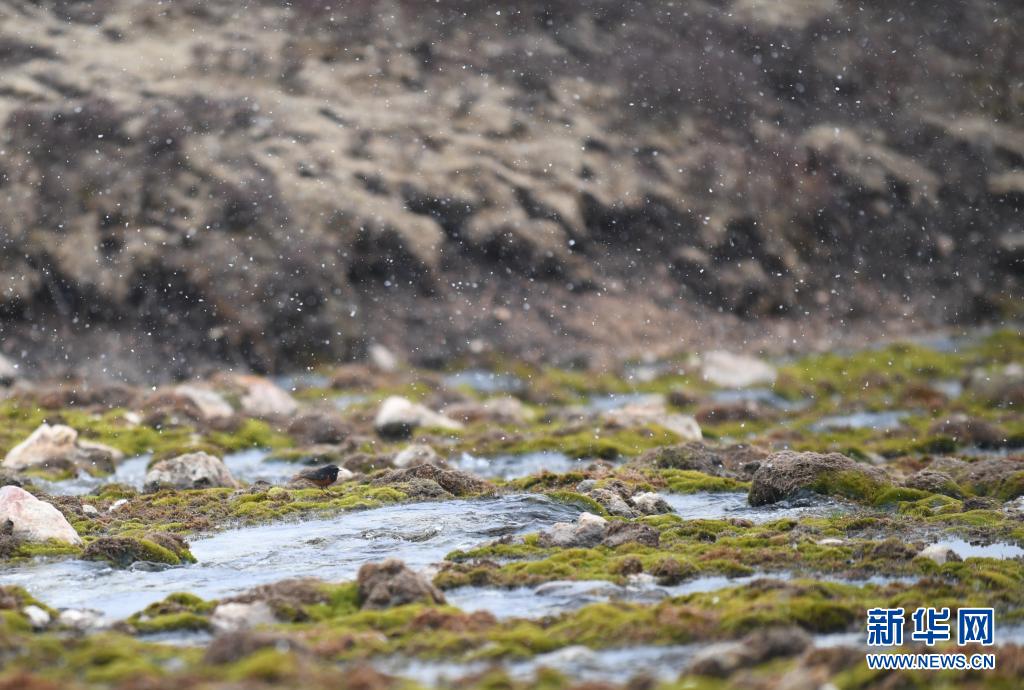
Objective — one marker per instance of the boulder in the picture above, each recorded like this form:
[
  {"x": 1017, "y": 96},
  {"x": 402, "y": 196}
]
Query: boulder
[
  {"x": 933, "y": 481},
  {"x": 122, "y": 552},
  {"x": 969, "y": 431},
  {"x": 399, "y": 417},
  {"x": 500, "y": 410},
  {"x": 319, "y": 427},
  {"x": 650, "y": 503},
  {"x": 210, "y": 404},
  {"x": 939, "y": 553},
  {"x": 639, "y": 414},
  {"x": 454, "y": 482},
  {"x": 624, "y": 532},
  {"x": 612, "y": 502},
  {"x": 189, "y": 471},
  {"x": 234, "y": 616},
  {"x": 58, "y": 447},
  {"x": 417, "y": 454},
  {"x": 788, "y": 474},
  {"x": 392, "y": 583},
  {"x": 32, "y": 519},
  {"x": 730, "y": 370},
  {"x": 1002, "y": 478},
  {"x": 587, "y": 531},
  {"x": 265, "y": 399}
]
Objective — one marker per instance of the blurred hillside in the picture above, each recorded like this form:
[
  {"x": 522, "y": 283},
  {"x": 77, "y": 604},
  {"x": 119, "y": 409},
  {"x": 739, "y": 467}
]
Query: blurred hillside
[{"x": 267, "y": 185}]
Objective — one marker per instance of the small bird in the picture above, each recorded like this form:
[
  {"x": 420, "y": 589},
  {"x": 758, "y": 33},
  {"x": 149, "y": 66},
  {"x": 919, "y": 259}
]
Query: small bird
[{"x": 321, "y": 476}]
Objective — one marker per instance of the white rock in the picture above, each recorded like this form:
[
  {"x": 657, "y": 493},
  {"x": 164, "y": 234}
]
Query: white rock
[
  {"x": 44, "y": 445},
  {"x": 116, "y": 505},
  {"x": 589, "y": 520},
  {"x": 655, "y": 412},
  {"x": 651, "y": 503},
  {"x": 90, "y": 509},
  {"x": 85, "y": 620},
  {"x": 34, "y": 520},
  {"x": 36, "y": 616},
  {"x": 383, "y": 358},
  {"x": 234, "y": 616},
  {"x": 398, "y": 416},
  {"x": 939, "y": 553},
  {"x": 830, "y": 541},
  {"x": 211, "y": 405},
  {"x": 263, "y": 398},
  {"x": 189, "y": 471},
  {"x": 8, "y": 371},
  {"x": 730, "y": 370},
  {"x": 416, "y": 454}
]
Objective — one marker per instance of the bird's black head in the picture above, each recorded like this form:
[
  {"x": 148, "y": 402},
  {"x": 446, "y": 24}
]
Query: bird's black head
[{"x": 332, "y": 470}]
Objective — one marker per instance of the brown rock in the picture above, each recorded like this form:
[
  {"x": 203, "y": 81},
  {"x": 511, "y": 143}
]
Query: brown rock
[{"x": 392, "y": 583}]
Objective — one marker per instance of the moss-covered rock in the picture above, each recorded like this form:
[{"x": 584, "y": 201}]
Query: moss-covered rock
[{"x": 787, "y": 474}]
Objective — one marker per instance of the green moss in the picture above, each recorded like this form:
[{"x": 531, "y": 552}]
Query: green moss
[
  {"x": 599, "y": 442},
  {"x": 851, "y": 484},
  {"x": 691, "y": 481},
  {"x": 579, "y": 500}
]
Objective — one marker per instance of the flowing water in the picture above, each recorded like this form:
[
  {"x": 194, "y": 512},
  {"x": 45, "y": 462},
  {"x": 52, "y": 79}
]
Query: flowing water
[
  {"x": 331, "y": 549},
  {"x": 515, "y": 466},
  {"x": 730, "y": 504},
  {"x": 483, "y": 381}
]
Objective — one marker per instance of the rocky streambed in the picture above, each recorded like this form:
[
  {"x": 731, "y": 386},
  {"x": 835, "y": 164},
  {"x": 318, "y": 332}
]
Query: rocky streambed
[{"x": 720, "y": 521}]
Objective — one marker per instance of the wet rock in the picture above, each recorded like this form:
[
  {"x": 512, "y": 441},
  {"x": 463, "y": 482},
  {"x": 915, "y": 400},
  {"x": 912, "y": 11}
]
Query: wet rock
[
  {"x": 8, "y": 372},
  {"x": 619, "y": 533},
  {"x": 392, "y": 583},
  {"x": 189, "y": 471},
  {"x": 788, "y": 474},
  {"x": 969, "y": 431},
  {"x": 57, "y": 448},
  {"x": 939, "y": 553},
  {"x": 730, "y": 370},
  {"x": 587, "y": 531},
  {"x": 399, "y": 417},
  {"x": 319, "y": 427},
  {"x": 454, "y": 482},
  {"x": 934, "y": 482},
  {"x": 502, "y": 410},
  {"x": 723, "y": 659},
  {"x": 639, "y": 414},
  {"x": 32, "y": 519},
  {"x": 650, "y": 503},
  {"x": 612, "y": 502},
  {"x": 123, "y": 552},
  {"x": 417, "y": 454},
  {"x": 235, "y": 616}
]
